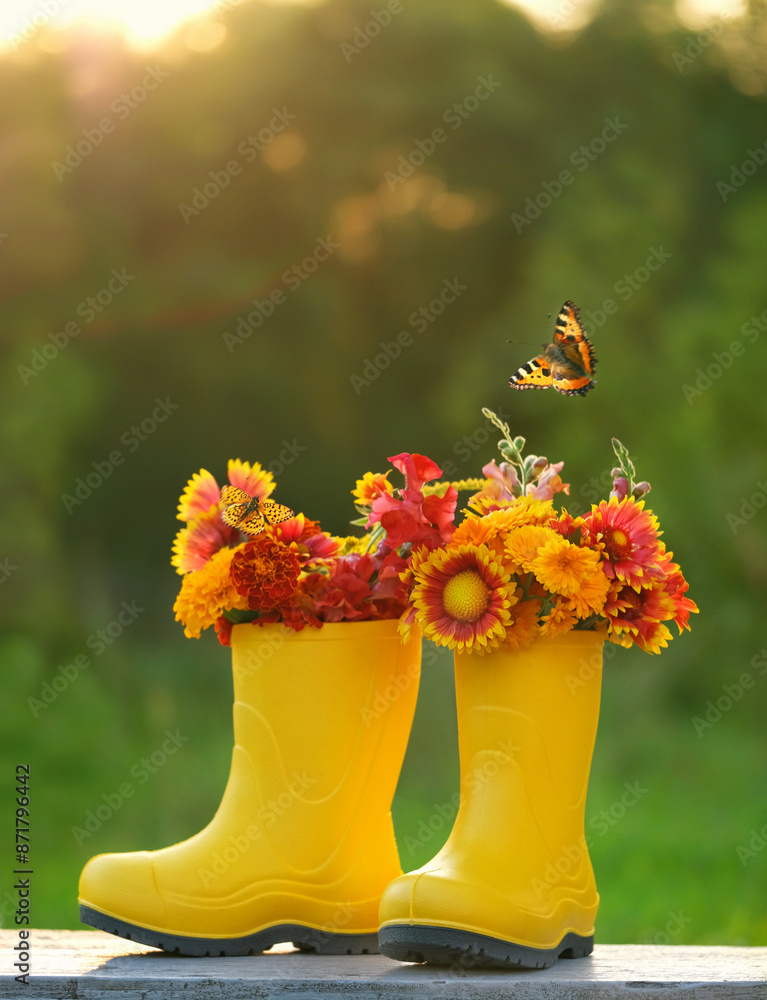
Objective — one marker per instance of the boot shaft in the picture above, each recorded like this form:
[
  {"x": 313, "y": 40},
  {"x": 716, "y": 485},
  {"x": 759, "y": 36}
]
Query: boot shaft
[
  {"x": 527, "y": 723},
  {"x": 323, "y": 717},
  {"x": 538, "y": 706}
]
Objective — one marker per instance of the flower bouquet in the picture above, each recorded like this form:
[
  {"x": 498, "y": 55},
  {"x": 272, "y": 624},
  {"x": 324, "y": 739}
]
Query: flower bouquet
[
  {"x": 293, "y": 572},
  {"x": 514, "y": 569}
]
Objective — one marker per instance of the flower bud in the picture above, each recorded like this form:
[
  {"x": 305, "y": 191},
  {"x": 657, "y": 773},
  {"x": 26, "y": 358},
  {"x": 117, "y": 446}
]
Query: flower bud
[
  {"x": 620, "y": 488},
  {"x": 641, "y": 489},
  {"x": 539, "y": 465}
]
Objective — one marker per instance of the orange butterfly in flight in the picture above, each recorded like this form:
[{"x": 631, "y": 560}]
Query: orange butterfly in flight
[
  {"x": 247, "y": 513},
  {"x": 567, "y": 364}
]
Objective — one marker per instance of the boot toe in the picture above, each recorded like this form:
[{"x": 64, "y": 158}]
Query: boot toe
[
  {"x": 397, "y": 900},
  {"x": 445, "y": 897},
  {"x": 123, "y": 886},
  {"x": 423, "y": 897}
]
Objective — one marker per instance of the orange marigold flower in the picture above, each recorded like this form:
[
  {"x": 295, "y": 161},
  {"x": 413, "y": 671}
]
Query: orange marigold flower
[
  {"x": 590, "y": 598},
  {"x": 520, "y": 510},
  {"x": 562, "y": 567},
  {"x": 206, "y": 593},
  {"x": 462, "y": 598},
  {"x": 524, "y": 543},
  {"x": 371, "y": 486},
  {"x": 560, "y": 619},
  {"x": 265, "y": 572},
  {"x": 529, "y": 510},
  {"x": 523, "y": 628},
  {"x": 485, "y": 530}
]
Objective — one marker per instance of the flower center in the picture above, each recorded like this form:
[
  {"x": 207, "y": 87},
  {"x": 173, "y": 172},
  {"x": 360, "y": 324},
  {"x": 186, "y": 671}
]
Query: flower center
[
  {"x": 618, "y": 544},
  {"x": 466, "y": 596}
]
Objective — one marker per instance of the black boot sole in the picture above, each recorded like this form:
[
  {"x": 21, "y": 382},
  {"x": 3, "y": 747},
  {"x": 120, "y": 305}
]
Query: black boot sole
[
  {"x": 306, "y": 939},
  {"x": 466, "y": 950}
]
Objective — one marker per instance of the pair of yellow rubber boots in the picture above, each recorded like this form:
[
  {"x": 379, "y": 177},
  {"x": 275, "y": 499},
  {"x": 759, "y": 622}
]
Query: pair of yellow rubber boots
[{"x": 302, "y": 847}]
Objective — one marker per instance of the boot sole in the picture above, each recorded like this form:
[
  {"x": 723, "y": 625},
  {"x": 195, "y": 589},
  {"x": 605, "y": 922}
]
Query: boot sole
[
  {"x": 306, "y": 939},
  {"x": 467, "y": 950}
]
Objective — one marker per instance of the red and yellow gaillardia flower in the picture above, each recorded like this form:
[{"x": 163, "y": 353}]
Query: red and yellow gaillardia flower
[
  {"x": 461, "y": 598},
  {"x": 628, "y": 536}
]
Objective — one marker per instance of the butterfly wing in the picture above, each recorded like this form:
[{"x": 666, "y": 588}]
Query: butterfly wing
[
  {"x": 233, "y": 494},
  {"x": 253, "y": 524},
  {"x": 276, "y": 512},
  {"x": 571, "y": 355},
  {"x": 536, "y": 374},
  {"x": 236, "y": 503},
  {"x": 573, "y": 386},
  {"x": 233, "y": 514}
]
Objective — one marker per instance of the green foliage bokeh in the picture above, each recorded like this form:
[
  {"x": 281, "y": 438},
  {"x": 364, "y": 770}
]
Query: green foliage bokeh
[{"x": 304, "y": 394}]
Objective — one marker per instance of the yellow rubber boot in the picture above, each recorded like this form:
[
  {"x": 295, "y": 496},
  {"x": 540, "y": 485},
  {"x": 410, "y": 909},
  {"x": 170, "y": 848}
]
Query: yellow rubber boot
[
  {"x": 513, "y": 885},
  {"x": 302, "y": 844}
]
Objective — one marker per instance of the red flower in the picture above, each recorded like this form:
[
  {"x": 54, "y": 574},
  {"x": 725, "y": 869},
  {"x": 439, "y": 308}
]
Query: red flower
[
  {"x": 409, "y": 517},
  {"x": 224, "y": 630},
  {"x": 303, "y": 608},
  {"x": 391, "y": 566},
  {"x": 347, "y": 596},
  {"x": 265, "y": 572},
  {"x": 417, "y": 469}
]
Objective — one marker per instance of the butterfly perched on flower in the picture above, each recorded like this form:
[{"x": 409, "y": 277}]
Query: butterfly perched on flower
[
  {"x": 567, "y": 364},
  {"x": 248, "y": 513}
]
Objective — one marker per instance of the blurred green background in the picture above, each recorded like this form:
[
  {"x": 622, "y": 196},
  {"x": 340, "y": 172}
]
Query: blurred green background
[{"x": 613, "y": 153}]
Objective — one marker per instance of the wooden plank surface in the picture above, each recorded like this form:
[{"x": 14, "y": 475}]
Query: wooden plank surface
[{"x": 87, "y": 965}]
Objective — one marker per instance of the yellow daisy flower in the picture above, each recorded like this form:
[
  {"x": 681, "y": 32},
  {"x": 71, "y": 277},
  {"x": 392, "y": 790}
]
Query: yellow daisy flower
[
  {"x": 563, "y": 568},
  {"x": 524, "y": 543}
]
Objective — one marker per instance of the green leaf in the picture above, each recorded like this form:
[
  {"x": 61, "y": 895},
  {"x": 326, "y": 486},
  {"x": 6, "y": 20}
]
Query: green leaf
[
  {"x": 237, "y": 617},
  {"x": 624, "y": 460}
]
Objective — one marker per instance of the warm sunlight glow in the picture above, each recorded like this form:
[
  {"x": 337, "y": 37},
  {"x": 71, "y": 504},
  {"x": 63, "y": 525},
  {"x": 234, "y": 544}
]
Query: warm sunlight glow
[
  {"x": 571, "y": 15},
  {"x": 144, "y": 22},
  {"x": 556, "y": 15},
  {"x": 697, "y": 14}
]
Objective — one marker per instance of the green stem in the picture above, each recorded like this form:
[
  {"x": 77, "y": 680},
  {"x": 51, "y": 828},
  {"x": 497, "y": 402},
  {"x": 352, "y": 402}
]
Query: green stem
[
  {"x": 377, "y": 534},
  {"x": 510, "y": 448}
]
